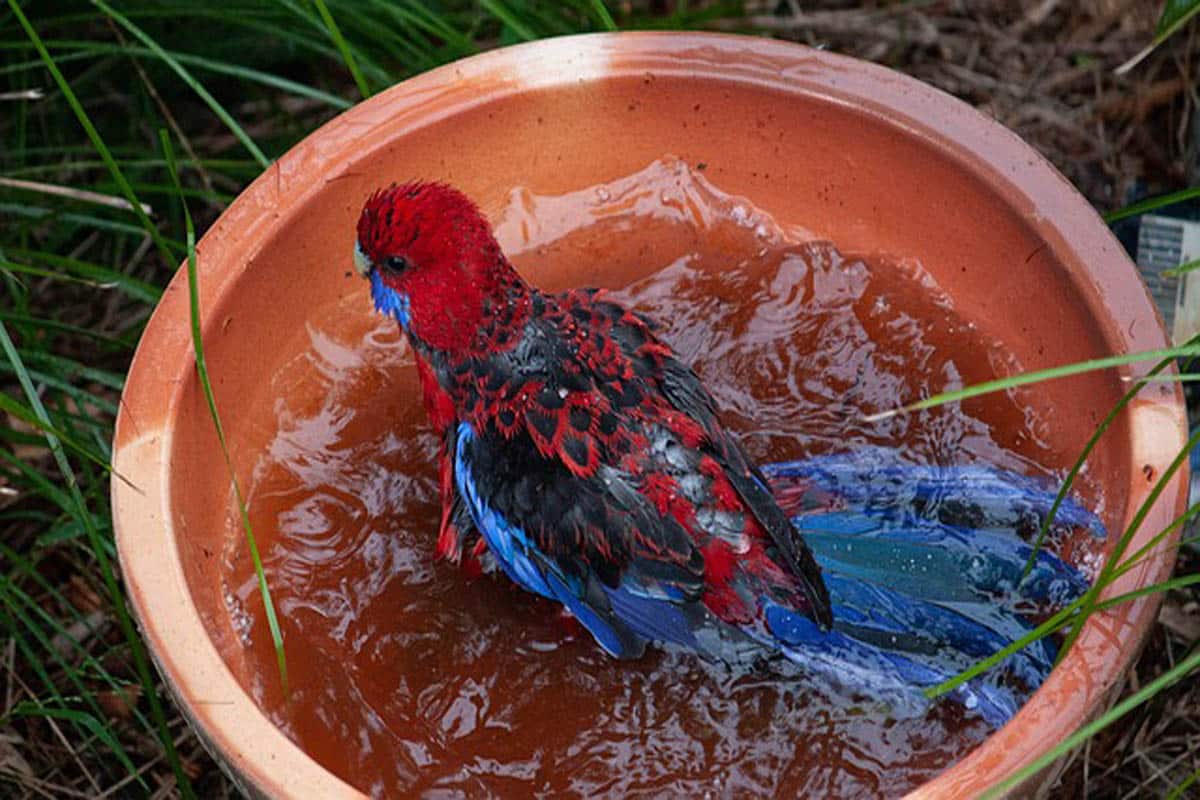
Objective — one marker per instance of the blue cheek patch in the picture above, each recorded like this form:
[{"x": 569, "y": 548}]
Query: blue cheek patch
[{"x": 388, "y": 300}]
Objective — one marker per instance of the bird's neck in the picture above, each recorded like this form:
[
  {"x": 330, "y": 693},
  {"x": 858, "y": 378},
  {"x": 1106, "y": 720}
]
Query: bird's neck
[
  {"x": 504, "y": 311},
  {"x": 451, "y": 376},
  {"x": 471, "y": 318},
  {"x": 439, "y": 405}
]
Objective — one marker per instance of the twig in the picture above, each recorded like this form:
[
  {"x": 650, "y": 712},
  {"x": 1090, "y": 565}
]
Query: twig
[
  {"x": 9, "y": 693},
  {"x": 1138, "y": 104},
  {"x": 83, "y": 195},
  {"x": 51, "y": 791},
  {"x": 184, "y": 735},
  {"x": 66, "y": 744},
  {"x": 205, "y": 178},
  {"x": 24, "y": 94},
  {"x": 1035, "y": 16}
]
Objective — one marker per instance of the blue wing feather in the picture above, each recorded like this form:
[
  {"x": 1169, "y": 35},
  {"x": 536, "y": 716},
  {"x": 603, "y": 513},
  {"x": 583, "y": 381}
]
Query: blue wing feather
[
  {"x": 506, "y": 541},
  {"x": 654, "y": 618},
  {"x": 600, "y": 628},
  {"x": 526, "y": 566}
]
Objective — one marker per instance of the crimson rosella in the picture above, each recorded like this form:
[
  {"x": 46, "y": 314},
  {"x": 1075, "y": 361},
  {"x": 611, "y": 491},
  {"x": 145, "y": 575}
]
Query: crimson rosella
[{"x": 587, "y": 462}]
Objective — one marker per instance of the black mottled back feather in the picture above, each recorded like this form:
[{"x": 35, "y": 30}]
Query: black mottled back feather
[{"x": 583, "y": 524}]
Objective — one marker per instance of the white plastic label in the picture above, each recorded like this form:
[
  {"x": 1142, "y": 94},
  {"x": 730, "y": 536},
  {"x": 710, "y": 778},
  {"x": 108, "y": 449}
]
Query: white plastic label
[{"x": 1164, "y": 243}]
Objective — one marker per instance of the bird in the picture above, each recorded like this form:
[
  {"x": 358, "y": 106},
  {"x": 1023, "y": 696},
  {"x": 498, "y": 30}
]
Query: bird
[{"x": 580, "y": 457}]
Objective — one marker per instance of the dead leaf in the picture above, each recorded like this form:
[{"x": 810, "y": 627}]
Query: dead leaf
[{"x": 1181, "y": 619}]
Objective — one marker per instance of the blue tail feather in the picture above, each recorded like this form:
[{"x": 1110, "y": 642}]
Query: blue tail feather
[
  {"x": 883, "y": 673},
  {"x": 884, "y": 640},
  {"x": 937, "y": 562},
  {"x": 973, "y": 496},
  {"x": 924, "y": 568},
  {"x": 948, "y": 637}
]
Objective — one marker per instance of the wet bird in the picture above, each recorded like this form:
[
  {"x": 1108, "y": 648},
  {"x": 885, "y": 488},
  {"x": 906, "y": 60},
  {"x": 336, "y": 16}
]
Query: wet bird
[{"x": 584, "y": 460}]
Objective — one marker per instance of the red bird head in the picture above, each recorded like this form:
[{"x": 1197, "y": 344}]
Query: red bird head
[{"x": 433, "y": 262}]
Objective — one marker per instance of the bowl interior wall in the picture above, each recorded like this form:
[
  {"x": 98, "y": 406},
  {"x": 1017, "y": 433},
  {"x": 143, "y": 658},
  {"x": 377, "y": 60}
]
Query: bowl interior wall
[{"x": 843, "y": 173}]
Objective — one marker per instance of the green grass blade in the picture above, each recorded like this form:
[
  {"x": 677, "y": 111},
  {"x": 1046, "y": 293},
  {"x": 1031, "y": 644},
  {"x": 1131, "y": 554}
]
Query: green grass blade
[
  {"x": 1173, "y": 584},
  {"x": 364, "y": 62},
  {"x": 73, "y": 674},
  {"x": 44, "y": 215},
  {"x": 90, "y": 275},
  {"x": 1178, "y": 790},
  {"x": 1060, "y": 619},
  {"x": 399, "y": 40},
  {"x": 1146, "y": 550},
  {"x": 36, "y": 272},
  {"x": 34, "y": 662},
  {"x": 1176, "y": 14},
  {"x": 69, "y": 368},
  {"x": 1069, "y": 481},
  {"x": 339, "y": 41},
  {"x": 81, "y": 718},
  {"x": 90, "y": 129},
  {"x": 1152, "y": 204},
  {"x": 1187, "y": 377},
  {"x": 238, "y": 170},
  {"x": 187, "y": 78},
  {"x": 1113, "y": 562},
  {"x": 420, "y": 16},
  {"x": 63, "y": 327},
  {"x": 1187, "y": 266},
  {"x": 11, "y": 406},
  {"x": 1087, "y": 603},
  {"x": 25, "y": 474},
  {"x": 87, "y": 49},
  {"x": 210, "y": 398},
  {"x": 1026, "y": 378},
  {"x": 602, "y": 14},
  {"x": 501, "y": 12},
  {"x": 88, "y": 402},
  {"x": 98, "y": 549},
  {"x": 69, "y": 194},
  {"x": 1049, "y": 626}
]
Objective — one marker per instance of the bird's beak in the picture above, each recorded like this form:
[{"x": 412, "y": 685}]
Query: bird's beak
[{"x": 361, "y": 262}]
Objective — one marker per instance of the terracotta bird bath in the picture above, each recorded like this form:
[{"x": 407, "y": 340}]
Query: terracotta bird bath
[{"x": 854, "y": 153}]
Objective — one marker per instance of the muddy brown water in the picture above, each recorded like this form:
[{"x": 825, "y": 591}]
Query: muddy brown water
[{"x": 408, "y": 675}]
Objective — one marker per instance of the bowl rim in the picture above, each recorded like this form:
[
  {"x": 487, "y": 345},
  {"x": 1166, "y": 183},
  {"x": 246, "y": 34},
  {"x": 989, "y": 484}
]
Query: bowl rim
[{"x": 224, "y": 715}]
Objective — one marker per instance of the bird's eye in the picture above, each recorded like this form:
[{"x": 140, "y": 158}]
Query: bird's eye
[{"x": 396, "y": 264}]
